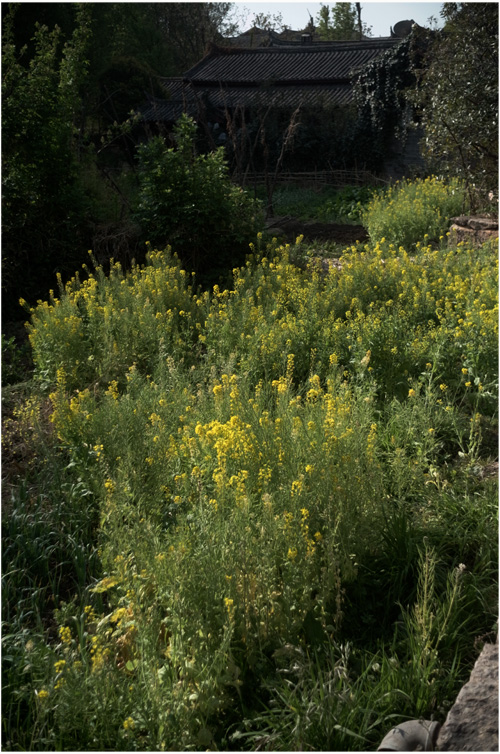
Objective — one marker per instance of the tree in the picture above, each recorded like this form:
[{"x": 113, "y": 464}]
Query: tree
[
  {"x": 340, "y": 22},
  {"x": 43, "y": 205},
  {"x": 457, "y": 97},
  {"x": 189, "y": 27},
  {"x": 268, "y": 22}
]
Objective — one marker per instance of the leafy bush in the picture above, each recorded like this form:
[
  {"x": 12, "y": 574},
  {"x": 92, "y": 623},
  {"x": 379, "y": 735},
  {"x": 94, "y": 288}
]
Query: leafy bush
[
  {"x": 411, "y": 211},
  {"x": 189, "y": 202}
]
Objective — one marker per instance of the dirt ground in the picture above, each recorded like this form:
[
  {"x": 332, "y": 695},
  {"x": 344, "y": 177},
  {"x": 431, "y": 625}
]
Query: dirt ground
[{"x": 291, "y": 227}]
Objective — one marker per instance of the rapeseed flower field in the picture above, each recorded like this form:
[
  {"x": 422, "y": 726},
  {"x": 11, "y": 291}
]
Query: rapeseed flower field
[{"x": 293, "y": 519}]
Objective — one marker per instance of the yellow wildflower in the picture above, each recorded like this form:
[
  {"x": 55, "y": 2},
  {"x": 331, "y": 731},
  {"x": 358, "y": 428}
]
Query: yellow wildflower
[{"x": 65, "y": 635}]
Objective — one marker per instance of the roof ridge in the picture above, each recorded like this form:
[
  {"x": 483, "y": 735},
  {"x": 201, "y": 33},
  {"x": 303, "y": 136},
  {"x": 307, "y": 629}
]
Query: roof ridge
[{"x": 217, "y": 49}]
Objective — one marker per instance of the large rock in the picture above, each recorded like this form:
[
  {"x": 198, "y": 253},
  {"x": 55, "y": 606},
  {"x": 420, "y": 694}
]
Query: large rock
[
  {"x": 472, "y": 722},
  {"x": 474, "y": 229}
]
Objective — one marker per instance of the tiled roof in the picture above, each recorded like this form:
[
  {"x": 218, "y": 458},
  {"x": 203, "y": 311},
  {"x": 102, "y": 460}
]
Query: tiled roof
[
  {"x": 325, "y": 61},
  {"x": 339, "y": 94},
  {"x": 220, "y": 98},
  {"x": 284, "y": 75}
]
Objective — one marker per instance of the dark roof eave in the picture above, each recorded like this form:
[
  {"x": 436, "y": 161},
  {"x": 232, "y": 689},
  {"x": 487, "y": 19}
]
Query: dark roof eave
[{"x": 202, "y": 83}]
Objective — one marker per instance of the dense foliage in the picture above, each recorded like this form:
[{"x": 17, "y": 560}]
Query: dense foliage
[
  {"x": 188, "y": 200},
  {"x": 44, "y": 209},
  {"x": 458, "y": 97},
  {"x": 381, "y": 90},
  {"x": 293, "y": 537},
  {"x": 409, "y": 211},
  {"x": 340, "y": 22},
  {"x": 167, "y": 37},
  {"x": 329, "y": 205},
  {"x": 71, "y": 74}
]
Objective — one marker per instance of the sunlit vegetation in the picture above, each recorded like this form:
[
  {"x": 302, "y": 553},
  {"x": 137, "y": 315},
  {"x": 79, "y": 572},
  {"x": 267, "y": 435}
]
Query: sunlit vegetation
[{"x": 253, "y": 517}]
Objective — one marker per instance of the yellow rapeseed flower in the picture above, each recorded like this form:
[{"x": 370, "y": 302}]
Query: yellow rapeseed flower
[
  {"x": 109, "y": 485},
  {"x": 65, "y": 634}
]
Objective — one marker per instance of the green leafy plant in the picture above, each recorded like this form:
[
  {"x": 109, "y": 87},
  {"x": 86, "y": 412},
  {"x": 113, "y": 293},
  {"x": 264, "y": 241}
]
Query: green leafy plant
[
  {"x": 346, "y": 204},
  {"x": 189, "y": 202},
  {"x": 16, "y": 360},
  {"x": 412, "y": 211},
  {"x": 327, "y": 204}
]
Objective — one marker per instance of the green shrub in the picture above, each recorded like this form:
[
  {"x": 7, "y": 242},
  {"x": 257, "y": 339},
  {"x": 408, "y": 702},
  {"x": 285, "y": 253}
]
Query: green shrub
[
  {"x": 189, "y": 202},
  {"x": 412, "y": 211}
]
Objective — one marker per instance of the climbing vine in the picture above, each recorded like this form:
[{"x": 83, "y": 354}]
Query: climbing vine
[{"x": 381, "y": 88}]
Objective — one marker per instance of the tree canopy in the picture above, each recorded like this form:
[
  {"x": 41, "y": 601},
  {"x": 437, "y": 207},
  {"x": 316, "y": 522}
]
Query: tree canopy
[
  {"x": 44, "y": 209},
  {"x": 340, "y": 22},
  {"x": 71, "y": 74},
  {"x": 269, "y": 21},
  {"x": 445, "y": 83},
  {"x": 457, "y": 96}
]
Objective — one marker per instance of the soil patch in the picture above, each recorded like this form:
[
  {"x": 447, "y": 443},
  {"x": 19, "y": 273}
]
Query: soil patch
[{"x": 291, "y": 227}]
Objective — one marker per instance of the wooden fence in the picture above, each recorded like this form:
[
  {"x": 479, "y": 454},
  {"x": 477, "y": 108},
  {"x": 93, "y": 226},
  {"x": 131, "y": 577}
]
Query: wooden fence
[{"x": 335, "y": 178}]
